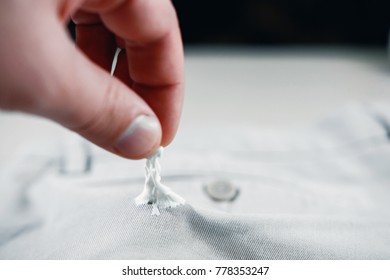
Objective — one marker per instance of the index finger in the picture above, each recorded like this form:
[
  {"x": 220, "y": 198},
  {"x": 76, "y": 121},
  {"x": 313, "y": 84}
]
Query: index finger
[{"x": 154, "y": 51}]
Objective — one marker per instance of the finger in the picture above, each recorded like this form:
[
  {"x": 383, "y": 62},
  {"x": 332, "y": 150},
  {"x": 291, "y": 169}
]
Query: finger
[
  {"x": 154, "y": 52},
  {"x": 94, "y": 39},
  {"x": 99, "y": 44},
  {"x": 83, "y": 97},
  {"x": 122, "y": 69}
]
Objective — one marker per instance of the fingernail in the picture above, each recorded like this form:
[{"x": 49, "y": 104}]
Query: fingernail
[{"x": 141, "y": 137}]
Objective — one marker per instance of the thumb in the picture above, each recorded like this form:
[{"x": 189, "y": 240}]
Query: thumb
[{"x": 86, "y": 99}]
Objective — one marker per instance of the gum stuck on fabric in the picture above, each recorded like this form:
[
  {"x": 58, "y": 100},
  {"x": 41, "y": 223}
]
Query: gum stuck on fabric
[{"x": 156, "y": 193}]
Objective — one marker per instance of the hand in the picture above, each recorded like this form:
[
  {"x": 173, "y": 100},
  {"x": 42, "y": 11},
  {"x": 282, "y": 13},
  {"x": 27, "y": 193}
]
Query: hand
[{"x": 43, "y": 73}]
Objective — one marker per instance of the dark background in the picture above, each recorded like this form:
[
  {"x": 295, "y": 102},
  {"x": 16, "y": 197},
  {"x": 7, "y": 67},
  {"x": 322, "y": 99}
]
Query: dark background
[{"x": 282, "y": 22}]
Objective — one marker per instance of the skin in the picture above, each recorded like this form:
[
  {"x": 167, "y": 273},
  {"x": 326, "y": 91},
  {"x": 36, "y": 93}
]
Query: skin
[{"x": 43, "y": 73}]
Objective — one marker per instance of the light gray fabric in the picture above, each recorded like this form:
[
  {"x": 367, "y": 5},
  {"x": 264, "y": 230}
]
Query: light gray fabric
[{"x": 321, "y": 193}]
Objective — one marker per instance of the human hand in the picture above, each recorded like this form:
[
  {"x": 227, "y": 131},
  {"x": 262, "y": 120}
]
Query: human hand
[{"x": 41, "y": 72}]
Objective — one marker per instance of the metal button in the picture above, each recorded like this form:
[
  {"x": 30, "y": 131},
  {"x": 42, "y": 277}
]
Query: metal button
[{"x": 221, "y": 190}]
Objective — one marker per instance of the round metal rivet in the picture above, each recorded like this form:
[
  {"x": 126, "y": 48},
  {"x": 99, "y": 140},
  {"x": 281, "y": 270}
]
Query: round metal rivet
[{"x": 221, "y": 190}]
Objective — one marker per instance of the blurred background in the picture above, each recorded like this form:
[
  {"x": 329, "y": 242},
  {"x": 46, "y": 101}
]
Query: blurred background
[
  {"x": 281, "y": 22},
  {"x": 284, "y": 21},
  {"x": 266, "y": 64},
  {"x": 292, "y": 62}
]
